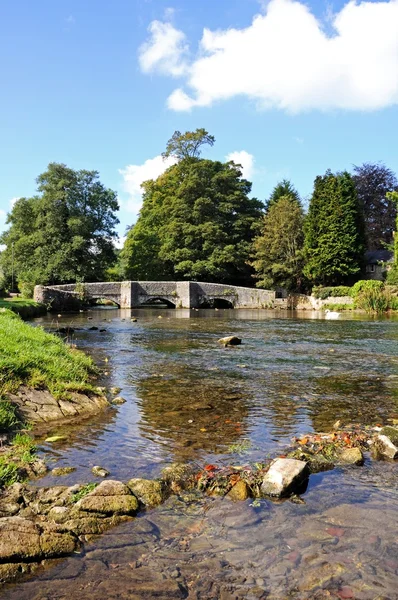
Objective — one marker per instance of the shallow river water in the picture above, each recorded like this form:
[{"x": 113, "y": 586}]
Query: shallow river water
[{"x": 191, "y": 399}]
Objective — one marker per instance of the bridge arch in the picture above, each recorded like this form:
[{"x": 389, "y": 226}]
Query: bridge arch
[{"x": 154, "y": 300}]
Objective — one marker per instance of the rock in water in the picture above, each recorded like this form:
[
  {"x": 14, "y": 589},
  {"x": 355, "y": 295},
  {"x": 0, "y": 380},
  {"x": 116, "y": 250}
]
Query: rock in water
[
  {"x": 100, "y": 471},
  {"x": 118, "y": 400},
  {"x": 150, "y": 493},
  {"x": 231, "y": 340},
  {"x": 239, "y": 492},
  {"x": 384, "y": 447},
  {"x": 284, "y": 476},
  {"x": 351, "y": 456}
]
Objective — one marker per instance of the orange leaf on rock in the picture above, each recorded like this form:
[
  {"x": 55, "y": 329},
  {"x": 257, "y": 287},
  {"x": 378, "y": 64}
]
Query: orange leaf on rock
[{"x": 210, "y": 467}]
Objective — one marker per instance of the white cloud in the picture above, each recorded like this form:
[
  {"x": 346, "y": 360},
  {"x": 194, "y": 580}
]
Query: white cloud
[
  {"x": 14, "y": 200},
  {"x": 135, "y": 175},
  {"x": 286, "y": 60},
  {"x": 165, "y": 51},
  {"x": 245, "y": 159},
  {"x": 119, "y": 243}
]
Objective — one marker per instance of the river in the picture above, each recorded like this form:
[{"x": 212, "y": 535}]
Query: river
[{"x": 190, "y": 399}]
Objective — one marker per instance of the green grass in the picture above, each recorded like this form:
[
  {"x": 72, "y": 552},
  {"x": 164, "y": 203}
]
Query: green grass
[
  {"x": 30, "y": 356},
  {"x": 86, "y": 489},
  {"x": 23, "y": 307},
  {"x": 8, "y": 417}
]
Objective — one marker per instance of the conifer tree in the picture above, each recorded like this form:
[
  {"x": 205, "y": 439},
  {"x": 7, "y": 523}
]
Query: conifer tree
[{"x": 334, "y": 234}]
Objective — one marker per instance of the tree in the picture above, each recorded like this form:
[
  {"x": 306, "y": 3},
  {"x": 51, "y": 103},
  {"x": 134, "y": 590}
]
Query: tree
[
  {"x": 197, "y": 222},
  {"x": 334, "y": 233},
  {"x": 278, "y": 257},
  {"x": 392, "y": 276},
  {"x": 283, "y": 188},
  {"x": 373, "y": 182},
  {"x": 66, "y": 232},
  {"x": 188, "y": 144}
]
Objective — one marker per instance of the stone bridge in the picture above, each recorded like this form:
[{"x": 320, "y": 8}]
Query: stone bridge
[{"x": 175, "y": 294}]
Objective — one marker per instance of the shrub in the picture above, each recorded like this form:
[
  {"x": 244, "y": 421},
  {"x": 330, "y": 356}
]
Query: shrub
[
  {"x": 323, "y": 293},
  {"x": 392, "y": 276},
  {"x": 373, "y": 299},
  {"x": 366, "y": 284},
  {"x": 26, "y": 288}
]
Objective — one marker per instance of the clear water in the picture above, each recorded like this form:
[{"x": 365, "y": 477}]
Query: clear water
[{"x": 191, "y": 399}]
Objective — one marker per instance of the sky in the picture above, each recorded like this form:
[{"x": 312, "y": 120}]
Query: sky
[{"x": 288, "y": 89}]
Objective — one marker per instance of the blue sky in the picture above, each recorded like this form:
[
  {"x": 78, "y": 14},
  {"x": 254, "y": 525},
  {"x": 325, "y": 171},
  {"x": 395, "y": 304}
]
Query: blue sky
[{"x": 103, "y": 85}]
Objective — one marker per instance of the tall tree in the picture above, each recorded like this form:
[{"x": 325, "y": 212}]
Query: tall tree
[
  {"x": 197, "y": 222},
  {"x": 188, "y": 144},
  {"x": 284, "y": 188},
  {"x": 334, "y": 235},
  {"x": 278, "y": 256},
  {"x": 392, "y": 276},
  {"x": 66, "y": 232},
  {"x": 373, "y": 182}
]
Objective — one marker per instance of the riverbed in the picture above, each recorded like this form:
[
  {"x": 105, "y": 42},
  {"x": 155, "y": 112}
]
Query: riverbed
[{"x": 189, "y": 399}]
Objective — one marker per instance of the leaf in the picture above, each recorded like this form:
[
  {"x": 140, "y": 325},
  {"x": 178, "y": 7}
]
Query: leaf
[{"x": 210, "y": 468}]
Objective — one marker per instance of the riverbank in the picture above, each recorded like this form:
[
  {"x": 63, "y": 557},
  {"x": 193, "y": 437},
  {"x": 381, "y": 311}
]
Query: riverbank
[
  {"x": 41, "y": 379},
  {"x": 26, "y": 309}
]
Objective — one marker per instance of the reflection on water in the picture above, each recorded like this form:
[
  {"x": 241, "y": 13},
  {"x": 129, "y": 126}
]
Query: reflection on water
[{"x": 189, "y": 398}]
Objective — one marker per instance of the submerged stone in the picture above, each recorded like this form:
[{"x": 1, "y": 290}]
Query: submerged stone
[
  {"x": 118, "y": 400},
  {"x": 284, "y": 476},
  {"x": 150, "y": 493},
  {"x": 59, "y": 471},
  {"x": 100, "y": 471},
  {"x": 239, "y": 492}
]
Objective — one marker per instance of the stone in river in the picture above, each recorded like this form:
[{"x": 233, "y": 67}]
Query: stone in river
[
  {"x": 100, "y": 471},
  {"x": 239, "y": 492},
  {"x": 284, "y": 476},
  {"x": 118, "y": 400},
  {"x": 351, "y": 456},
  {"x": 230, "y": 340},
  {"x": 149, "y": 492},
  {"x": 385, "y": 447}
]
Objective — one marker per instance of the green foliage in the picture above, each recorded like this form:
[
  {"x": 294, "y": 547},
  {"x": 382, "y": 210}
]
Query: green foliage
[
  {"x": 281, "y": 190},
  {"x": 374, "y": 183},
  {"x": 334, "y": 237},
  {"x": 197, "y": 222},
  {"x": 338, "y": 306},
  {"x": 187, "y": 145},
  {"x": 86, "y": 489},
  {"x": 278, "y": 257},
  {"x": 365, "y": 285},
  {"x": 9, "y": 472},
  {"x": 30, "y": 356},
  {"x": 331, "y": 292},
  {"x": 63, "y": 234},
  {"x": 373, "y": 300},
  {"x": 8, "y": 416}
]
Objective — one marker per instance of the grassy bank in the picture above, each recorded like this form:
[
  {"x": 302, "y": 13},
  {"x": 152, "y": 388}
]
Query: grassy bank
[
  {"x": 27, "y": 309},
  {"x": 30, "y": 356}
]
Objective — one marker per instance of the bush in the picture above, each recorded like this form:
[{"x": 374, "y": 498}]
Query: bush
[
  {"x": 26, "y": 288},
  {"x": 373, "y": 299},
  {"x": 322, "y": 293},
  {"x": 366, "y": 285},
  {"x": 392, "y": 276}
]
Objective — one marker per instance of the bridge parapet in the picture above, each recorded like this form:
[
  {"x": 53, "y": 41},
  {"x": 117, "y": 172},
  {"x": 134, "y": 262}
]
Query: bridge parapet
[{"x": 132, "y": 294}]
